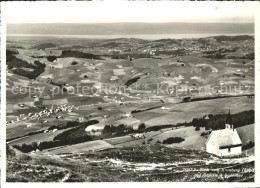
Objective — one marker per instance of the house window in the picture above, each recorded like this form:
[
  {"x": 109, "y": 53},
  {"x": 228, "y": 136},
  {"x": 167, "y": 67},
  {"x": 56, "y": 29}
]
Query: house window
[{"x": 229, "y": 149}]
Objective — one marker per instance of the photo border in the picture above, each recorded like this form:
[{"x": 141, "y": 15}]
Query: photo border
[{"x": 153, "y": 184}]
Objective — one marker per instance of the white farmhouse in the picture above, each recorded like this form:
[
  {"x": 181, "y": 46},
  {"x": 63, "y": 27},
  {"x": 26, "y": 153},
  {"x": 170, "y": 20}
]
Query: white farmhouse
[
  {"x": 225, "y": 142},
  {"x": 137, "y": 136}
]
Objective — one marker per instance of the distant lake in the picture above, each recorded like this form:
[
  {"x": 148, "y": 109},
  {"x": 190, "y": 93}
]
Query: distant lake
[{"x": 140, "y": 36}]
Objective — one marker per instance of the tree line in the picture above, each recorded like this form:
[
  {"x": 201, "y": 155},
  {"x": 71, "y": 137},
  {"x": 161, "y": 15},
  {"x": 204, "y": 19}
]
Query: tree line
[
  {"x": 121, "y": 130},
  {"x": 218, "y": 121},
  {"x": 16, "y": 65},
  {"x": 72, "y": 136},
  {"x": 78, "y": 134}
]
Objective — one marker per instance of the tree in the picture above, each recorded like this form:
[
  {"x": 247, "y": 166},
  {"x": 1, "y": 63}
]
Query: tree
[
  {"x": 141, "y": 126},
  {"x": 120, "y": 128},
  {"x": 197, "y": 128},
  {"x": 172, "y": 140},
  {"x": 10, "y": 66},
  {"x": 158, "y": 142},
  {"x": 106, "y": 129},
  {"x": 51, "y": 58}
]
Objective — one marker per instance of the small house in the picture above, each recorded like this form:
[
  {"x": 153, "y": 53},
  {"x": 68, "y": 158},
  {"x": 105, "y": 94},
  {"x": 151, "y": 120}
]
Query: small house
[{"x": 225, "y": 142}]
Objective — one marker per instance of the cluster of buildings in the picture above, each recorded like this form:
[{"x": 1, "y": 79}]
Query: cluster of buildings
[
  {"x": 46, "y": 112},
  {"x": 193, "y": 46},
  {"x": 114, "y": 99},
  {"x": 138, "y": 136}
]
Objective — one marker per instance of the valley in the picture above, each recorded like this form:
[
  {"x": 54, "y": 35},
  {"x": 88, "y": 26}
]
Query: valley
[{"x": 105, "y": 109}]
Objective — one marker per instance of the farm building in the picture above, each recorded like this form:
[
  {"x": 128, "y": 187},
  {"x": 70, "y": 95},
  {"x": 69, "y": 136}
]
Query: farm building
[
  {"x": 36, "y": 99},
  {"x": 180, "y": 64},
  {"x": 29, "y": 101},
  {"x": 55, "y": 102},
  {"x": 46, "y": 97},
  {"x": 225, "y": 142},
  {"x": 113, "y": 78}
]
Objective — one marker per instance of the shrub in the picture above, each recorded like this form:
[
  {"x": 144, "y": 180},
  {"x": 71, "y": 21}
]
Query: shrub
[
  {"x": 51, "y": 58},
  {"x": 150, "y": 139},
  {"x": 205, "y": 133},
  {"x": 158, "y": 142},
  {"x": 248, "y": 145},
  {"x": 74, "y": 63},
  {"x": 131, "y": 81},
  {"x": 141, "y": 126},
  {"x": 172, "y": 140}
]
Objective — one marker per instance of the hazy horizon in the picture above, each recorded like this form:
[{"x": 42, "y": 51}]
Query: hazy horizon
[{"x": 133, "y": 28}]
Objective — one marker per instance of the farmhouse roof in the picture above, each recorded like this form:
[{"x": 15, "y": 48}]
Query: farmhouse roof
[
  {"x": 225, "y": 138},
  {"x": 47, "y": 97}
]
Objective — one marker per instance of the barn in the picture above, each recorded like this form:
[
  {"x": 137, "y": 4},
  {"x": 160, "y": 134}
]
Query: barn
[{"x": 225, "y": 142}]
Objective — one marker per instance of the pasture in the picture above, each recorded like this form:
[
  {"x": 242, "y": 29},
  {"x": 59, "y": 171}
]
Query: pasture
[
  {"x": 36, "y": 138},
  {"x": 78, "y": 148},
  {"x": 185, "y": 112}
]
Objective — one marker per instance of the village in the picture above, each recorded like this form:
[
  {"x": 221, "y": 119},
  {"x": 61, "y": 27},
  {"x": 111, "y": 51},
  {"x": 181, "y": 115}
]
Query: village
[
  {"x": 140, "y": 96},
  {"x": 46, "y": 112}
]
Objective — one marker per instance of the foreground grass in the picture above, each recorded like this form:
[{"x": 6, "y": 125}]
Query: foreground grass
[{"x": 141, "y": 163}]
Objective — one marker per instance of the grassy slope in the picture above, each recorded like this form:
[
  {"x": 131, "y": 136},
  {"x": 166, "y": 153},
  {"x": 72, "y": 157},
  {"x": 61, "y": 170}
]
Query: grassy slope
[
  {"x": 247, "y": 133},
  {"x": 24, "y": 168},
  {"x": 141, "y": 164},
  {"x": 187, "y": 111},
  {"x": 80, "y": 148}
]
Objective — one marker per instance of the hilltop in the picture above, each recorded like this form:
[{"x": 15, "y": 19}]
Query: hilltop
[{"x": 44, "y": 46}]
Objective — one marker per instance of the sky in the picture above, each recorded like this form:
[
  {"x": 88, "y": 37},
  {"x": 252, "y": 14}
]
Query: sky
[{"x": 115, "y": 11}]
